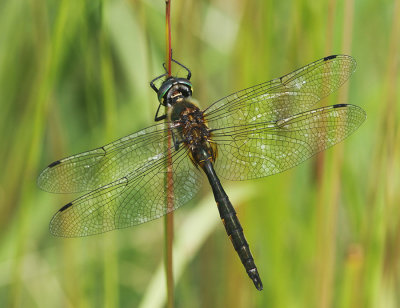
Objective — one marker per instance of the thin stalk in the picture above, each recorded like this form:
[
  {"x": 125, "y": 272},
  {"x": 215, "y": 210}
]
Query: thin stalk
[
  {"x": 169, "y": 218},
  {"x": 327, "y": 198},
  {"x": 168, "y": 54}
]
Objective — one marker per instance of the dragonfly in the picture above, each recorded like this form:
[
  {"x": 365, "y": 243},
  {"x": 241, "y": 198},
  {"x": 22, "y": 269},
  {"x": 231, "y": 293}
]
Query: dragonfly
[{"x": 253, "y": 133}]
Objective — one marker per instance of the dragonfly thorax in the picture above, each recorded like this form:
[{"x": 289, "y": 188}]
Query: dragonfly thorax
[
  {"x": 174, "y": 89},
  {"x": 192, "y": 131}
]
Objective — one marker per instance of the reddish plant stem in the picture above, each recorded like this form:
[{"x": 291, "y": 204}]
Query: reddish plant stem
[{"x": 169, "y": 218}]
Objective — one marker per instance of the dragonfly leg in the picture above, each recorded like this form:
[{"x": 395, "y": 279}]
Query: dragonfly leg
[
  {"x": 152, "y": 85},
  {"x": 157, "y": 117},
  {"x": 175, "y": 141},
  {"x": 189, "y": 72}
]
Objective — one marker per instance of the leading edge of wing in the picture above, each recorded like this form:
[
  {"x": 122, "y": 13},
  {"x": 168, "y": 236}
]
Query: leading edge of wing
[
  {"x": 95, "y": 168},
  {"x": 129, "y": 201},
  {"x": 265, "y": 148},
  {"x": 292, "y": 80}
]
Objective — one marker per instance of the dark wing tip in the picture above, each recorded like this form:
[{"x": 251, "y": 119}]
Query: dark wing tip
[
  {"x": 65, "y": 207},
  {"x": 57, "y": 162},
  {"x": 360, "y": 110},
  {"x": 330, "y": 57},
  {"x": 340, "y": 105},
  {"x": 55, "y": 227}
]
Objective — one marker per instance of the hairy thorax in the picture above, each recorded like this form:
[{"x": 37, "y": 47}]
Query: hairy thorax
[{"x": 190, "y": 129}]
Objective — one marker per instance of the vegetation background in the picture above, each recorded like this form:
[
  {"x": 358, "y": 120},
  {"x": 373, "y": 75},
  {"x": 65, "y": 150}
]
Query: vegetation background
[{"x": 74, "y": 75}]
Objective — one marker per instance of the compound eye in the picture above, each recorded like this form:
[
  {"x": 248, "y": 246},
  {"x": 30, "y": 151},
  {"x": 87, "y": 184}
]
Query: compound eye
[
  {"x": 162, "y": 93},
  {"x": 187, "y": 92}
]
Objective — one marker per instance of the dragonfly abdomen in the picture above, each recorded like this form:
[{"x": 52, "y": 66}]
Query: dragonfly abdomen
[{"x": 232, "y": 225}]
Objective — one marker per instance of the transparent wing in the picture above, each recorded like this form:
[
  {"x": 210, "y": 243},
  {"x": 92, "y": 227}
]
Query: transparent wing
[
  {"x": 96, "y": 168},
  {"x": 282, "y": 97},
  {"x": 131, "y": 200},
  {"x": 266, "y": 148}
]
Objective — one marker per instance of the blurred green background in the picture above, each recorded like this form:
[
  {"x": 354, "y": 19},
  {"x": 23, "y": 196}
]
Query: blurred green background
[{"x": 74, "y": 75}]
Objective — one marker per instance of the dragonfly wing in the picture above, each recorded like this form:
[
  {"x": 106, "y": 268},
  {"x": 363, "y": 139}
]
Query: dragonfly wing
[
  {"x": 98, "y": 167},
  {"x": 131, "y": 200},
  {"x": 266, "y": 148},
  {"x": 282, "y": 97}
]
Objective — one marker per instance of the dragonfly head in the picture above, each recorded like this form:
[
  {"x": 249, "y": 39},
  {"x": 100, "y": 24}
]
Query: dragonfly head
[{"x": 172, "y": 89}]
